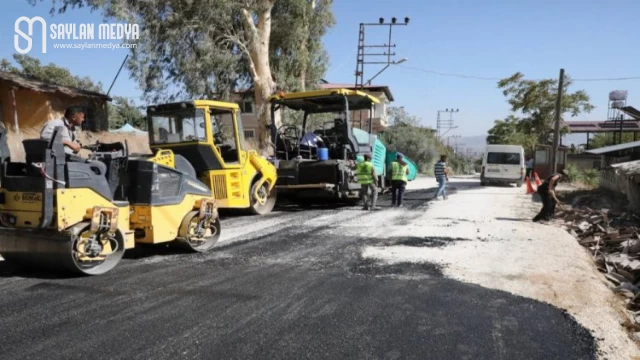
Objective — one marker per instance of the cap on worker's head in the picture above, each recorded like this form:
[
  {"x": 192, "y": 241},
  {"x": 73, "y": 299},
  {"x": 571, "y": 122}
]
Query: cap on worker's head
[
  {"x": 565, "y": 172},
  {"x": 399, "y": 156}
]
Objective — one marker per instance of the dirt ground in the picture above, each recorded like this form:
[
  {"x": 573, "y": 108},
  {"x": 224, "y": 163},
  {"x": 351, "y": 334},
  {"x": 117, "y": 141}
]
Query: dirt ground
[{"x": 490, "y": 240}]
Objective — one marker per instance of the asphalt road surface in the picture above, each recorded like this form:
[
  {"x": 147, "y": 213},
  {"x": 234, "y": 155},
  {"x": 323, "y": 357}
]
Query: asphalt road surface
[{"x": 293, "y": 284}]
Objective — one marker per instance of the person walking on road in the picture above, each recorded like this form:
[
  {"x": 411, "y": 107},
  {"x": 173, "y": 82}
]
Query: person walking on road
[
  {"x": 441, "y": 173},
  {"x": 366, "y": 173},
  {"x": 399, "y": 172},
  {"x": 529, "y": 165},
  {"x": 547, "y": 191}
]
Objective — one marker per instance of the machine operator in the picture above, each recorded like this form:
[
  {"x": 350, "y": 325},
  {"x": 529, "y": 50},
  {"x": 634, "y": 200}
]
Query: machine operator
[{"x": 73, "y": 116}]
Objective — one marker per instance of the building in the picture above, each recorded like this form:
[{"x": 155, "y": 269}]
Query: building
[
  {"x": 26, "y": 104},
  {"x": 379, "y": 116},
  {"x": 616, "y": 154},
  {"x": 542, "y": 161},
  {"x": 248, "y": 113}
]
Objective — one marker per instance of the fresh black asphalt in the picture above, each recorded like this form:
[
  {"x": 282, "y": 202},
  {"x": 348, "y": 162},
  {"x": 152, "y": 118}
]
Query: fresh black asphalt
[{"x": 302, "y": 292}]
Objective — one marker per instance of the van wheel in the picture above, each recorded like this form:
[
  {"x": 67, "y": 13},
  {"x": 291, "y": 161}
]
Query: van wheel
[{"x": 519, "y": 184}]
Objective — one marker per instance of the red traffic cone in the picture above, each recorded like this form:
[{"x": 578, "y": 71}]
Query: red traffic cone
[
  {"x": 538, "y": 182},
  {"x": 529, "y": 187}
]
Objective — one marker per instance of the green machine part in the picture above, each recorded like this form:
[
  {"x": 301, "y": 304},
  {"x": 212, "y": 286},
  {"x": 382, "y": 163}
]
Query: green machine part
[{"x": 379, "y": 150}]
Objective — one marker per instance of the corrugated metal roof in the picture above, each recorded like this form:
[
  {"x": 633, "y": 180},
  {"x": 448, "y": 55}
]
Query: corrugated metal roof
[
  {"x": 614, "y": 148},
  {"x": 42, "y": 86},
  {"x": 602, "y": 126}
]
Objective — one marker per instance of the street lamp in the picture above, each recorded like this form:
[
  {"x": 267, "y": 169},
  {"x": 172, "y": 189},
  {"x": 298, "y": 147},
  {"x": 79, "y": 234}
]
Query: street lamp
[{"x": 385, "y": 68}]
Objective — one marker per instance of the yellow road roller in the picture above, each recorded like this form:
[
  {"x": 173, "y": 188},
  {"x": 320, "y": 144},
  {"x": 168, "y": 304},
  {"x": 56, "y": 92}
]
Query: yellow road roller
[{"x": 61, "y": 211}]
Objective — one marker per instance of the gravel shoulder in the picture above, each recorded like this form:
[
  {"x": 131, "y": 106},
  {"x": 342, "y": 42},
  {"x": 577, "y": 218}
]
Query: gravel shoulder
[{"x": 491, "y": 241}]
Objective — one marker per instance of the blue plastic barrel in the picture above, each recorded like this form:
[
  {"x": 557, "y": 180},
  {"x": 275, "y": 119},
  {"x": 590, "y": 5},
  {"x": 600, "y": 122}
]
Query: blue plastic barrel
[{"x": 323, "y": 154}]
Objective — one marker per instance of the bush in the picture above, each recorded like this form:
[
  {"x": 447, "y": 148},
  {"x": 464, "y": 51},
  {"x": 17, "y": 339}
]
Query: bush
[
  {"x": 574, "y": 174},
  {"x": 591, "y": 177}
]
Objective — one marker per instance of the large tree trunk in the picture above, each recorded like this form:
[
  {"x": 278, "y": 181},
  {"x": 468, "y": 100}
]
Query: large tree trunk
[{"x": 263, "y": 83}]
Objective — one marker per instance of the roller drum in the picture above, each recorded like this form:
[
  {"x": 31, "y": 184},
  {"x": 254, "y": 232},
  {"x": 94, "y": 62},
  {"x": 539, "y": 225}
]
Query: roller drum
[{"x": 55, "y": 250}]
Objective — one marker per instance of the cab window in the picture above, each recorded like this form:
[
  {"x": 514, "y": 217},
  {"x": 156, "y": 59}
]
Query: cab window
[
  {"x": 178, "y": 126},
  {"x": 224, "y": 134}
]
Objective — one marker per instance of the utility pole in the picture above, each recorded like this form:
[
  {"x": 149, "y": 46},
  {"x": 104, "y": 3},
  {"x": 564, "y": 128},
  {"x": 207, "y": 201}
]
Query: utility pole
[
  {"x": 443, "y": 124},
  {"x": 361, "y": 60},
  {"x": 556, "y": 130},
  {"x": 387, "y": 52}
]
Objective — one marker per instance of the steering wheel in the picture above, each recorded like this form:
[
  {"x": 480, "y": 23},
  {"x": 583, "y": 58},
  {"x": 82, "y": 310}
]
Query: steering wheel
[
  {"x": 285, "y": 133},
  {"x": 92, "y": 147}
]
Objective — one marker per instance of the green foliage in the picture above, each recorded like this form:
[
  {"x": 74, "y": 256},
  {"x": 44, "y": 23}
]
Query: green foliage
[
  {"x": 574, "y": 174},
  {"x": 121, "y": 110},
  {"x": 297, "y": 55},
  {"x": 33, "y": 68},
  {"x": 406, "y": 136},
  {"x": 511, "y": 131},
  {"x": 591, "y": 177},
  {"x": 205, "y": 49},
  {"x": 418, "y": 143},
  {"x": 314, "y": 121},
  {"x": 536, "y": 101},
  {"x": 602, "y": 140}
]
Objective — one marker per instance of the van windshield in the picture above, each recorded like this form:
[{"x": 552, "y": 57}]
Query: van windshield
[{"x": 503, "y": 158}]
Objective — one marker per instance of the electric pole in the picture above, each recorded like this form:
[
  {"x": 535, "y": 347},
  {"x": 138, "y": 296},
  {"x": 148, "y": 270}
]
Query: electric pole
[
  {"x": 556, "y": 130},
  {"x": 444, "y": 124}
]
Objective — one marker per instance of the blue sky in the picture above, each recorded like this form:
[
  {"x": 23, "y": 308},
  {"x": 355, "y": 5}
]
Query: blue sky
[{"x": 489, "y": 38}]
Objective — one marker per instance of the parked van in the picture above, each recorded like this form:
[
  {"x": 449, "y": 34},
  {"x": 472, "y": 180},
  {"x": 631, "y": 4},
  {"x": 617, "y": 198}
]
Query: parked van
[{"x": 503, "y": 164}]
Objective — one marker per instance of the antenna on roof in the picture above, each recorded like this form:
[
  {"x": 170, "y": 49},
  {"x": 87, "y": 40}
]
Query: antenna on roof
[{"x": 114, "y": 79}]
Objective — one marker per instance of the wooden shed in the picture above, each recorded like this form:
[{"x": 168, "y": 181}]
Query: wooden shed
[{"x": 26, "y": 104}]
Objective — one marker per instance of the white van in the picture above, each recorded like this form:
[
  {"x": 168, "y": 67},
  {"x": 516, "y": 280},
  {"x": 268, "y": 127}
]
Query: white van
[{"x": 503, "y": 164}]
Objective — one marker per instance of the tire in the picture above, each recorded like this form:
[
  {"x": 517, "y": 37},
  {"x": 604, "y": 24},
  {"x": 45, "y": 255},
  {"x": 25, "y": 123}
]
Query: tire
[
  {"x": 255, "y": 207},
  {"x": 519, "y": 184},
  {"x": 183, "y": 165}
]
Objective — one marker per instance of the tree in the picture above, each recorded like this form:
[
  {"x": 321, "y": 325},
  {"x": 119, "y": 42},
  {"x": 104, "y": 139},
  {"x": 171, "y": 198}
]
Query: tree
[
  {"x": 607, "y": 139},
  {"x": 33, "y": 68},
  {"x": 512, "y": 131},
  {"x": 203, "y": 48},
  {"x": 398, "y": 116},
  {"x": 121, "y": 110},
  {"x": 536, "y": 101}
]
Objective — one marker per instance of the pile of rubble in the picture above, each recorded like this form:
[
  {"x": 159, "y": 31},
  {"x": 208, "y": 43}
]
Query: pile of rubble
[{"x": 614, "y": 241}]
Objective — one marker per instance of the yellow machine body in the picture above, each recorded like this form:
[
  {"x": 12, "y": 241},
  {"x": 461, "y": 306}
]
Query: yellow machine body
[
  {"x": 73, "y": 206},
  {"x": 238, "y": 178},
  {"x": 61, "y": 212},
  {"x": 161, "y": 224}
]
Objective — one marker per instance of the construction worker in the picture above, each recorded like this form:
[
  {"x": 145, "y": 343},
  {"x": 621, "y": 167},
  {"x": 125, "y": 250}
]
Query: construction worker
[
  {"x": 442, "y": 176},
  {"x": 366, "y": 173},
  {"x": 529, "y": 165},
  {"x": 399, "y": 172},
  {"x": 547, "y": 191}
]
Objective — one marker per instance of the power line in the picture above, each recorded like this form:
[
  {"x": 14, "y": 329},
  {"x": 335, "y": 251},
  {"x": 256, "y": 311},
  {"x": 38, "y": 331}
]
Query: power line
[
  {"x": 450, "y": 74},
  {"x": 497, "y": 79},
  {"x": 610, "y": 79}
]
